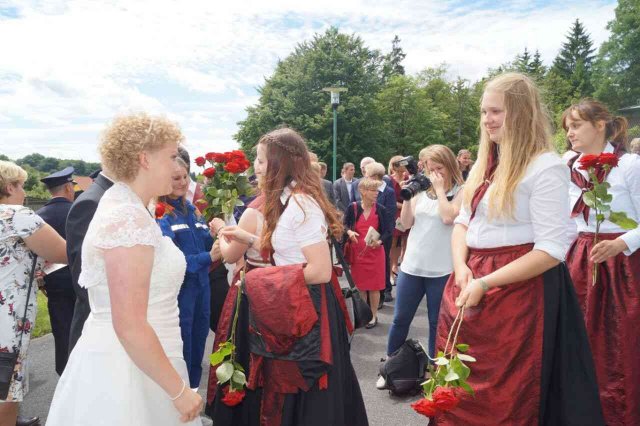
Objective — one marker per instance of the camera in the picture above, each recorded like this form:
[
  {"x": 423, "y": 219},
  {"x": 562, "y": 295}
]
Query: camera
[{"x": 417, "y": 183}]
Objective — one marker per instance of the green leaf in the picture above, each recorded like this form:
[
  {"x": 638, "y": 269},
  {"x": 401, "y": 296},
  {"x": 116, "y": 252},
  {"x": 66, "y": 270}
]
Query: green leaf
[
  {"x": 441, "y": 361},
  {"x": 464, "y": 385},
  {"x": 458, "y": 367},
  {"x": 239, "y": 378},
  {"x": 212, "y": 192},
  {"x": 589, "y": 199},
  {"x": 216, "y": 358},
  {"x": 237, "y": 366},
  {"x": 239, "y": 203},
  {"x": 224, "y": 372},
  {"x": 468, "y": 358},
  {"x": 462, "y": 347},
  {"x": 451, "y": 376},
  {"x": 621, "y": 219}
]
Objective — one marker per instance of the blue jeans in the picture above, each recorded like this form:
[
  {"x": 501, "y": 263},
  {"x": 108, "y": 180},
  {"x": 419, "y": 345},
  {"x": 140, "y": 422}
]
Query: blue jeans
[{"x": 410, "y": 289}]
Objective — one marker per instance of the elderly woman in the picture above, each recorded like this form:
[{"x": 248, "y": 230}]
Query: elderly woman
[
  {"x": 23, "y": 237},
  {"x": 128, "y": 367}
]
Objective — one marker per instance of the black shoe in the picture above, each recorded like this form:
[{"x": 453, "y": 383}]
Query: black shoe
[
  {"x": 388, "y": 297},
  {"x": 27, "y": 421},
  {"x": 372, "y": 324}
]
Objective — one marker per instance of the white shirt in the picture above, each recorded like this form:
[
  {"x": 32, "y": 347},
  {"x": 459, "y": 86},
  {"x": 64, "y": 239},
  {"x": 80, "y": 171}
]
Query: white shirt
[
  {"x": 382, "y": 187},
  {"x": 625, "y": 189},
  {"x": 301, "y": 224},
  {"x": 428, "y": 252},
  {"x": 349, "y": 184},
  {"x": 541, "y": 212}
]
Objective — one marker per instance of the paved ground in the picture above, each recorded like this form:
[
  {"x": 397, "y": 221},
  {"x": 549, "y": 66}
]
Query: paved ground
[{"x": 368, "y": 346}]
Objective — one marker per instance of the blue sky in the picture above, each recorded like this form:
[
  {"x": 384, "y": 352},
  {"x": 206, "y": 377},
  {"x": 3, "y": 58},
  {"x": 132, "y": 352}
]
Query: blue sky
[{"x": 68, "y": 67}]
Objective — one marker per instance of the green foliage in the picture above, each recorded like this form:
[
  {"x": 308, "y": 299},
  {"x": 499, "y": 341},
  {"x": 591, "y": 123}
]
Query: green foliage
[
  {"x": 574, "y": 63},
  {"x": 43, "y": 322},
  {"x": 618, "y": 65}
]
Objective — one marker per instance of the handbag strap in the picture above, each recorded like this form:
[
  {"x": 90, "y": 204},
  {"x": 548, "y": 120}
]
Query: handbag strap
[
  {"x": 343, "y": 263},
  {"x": 26, "y": 306}
]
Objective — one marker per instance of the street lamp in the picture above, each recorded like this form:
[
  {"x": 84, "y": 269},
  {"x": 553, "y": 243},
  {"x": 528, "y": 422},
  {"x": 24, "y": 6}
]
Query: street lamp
[{"x": 335, "y": 101}]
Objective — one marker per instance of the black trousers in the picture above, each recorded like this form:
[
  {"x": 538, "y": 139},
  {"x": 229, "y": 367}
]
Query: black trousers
[
  {"x": 61, "y": 303},
  {"x": 387, "y": 267},
  {"x": 219, "y": 288}
]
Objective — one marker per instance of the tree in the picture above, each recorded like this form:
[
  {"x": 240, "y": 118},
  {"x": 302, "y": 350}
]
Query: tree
[
  {"x": 574, "y": 62},
  {"x": 393, "y": 60},
  {"x": 293, "y": 97},
  {"x": 523, "y": 62},
  {"x": 4, "y": 157},
  {"x": 536, "y": 68},
  {"x": 618, "y": 64}
]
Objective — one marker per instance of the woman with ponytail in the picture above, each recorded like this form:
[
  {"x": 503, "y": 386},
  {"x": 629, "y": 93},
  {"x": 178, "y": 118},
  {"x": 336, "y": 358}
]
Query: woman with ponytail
[
  {"x": 521, "y": 318},
  {"x": 611, "y": 306}
]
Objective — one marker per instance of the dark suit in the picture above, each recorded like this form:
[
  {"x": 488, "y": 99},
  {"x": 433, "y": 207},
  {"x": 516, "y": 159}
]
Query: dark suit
[
  {"x": 61, "y": 298},
  {"x": 387, "y": 198},
  {"x": 328, "y": 190},
  {"x": 341, "y": 193},
  {"x": 78, "y": 222}
]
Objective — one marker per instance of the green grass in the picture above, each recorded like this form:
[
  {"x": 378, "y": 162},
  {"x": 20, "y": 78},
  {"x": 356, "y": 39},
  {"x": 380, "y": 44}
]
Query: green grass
[{"x": 43, "y": 322}]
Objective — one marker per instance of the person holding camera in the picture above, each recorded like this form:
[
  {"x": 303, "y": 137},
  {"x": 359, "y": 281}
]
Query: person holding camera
[{"x": 430, "y": 206}]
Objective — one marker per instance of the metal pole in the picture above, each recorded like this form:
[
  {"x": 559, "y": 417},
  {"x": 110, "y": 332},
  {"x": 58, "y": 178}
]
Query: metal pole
[{"x": 335, "y": 137}]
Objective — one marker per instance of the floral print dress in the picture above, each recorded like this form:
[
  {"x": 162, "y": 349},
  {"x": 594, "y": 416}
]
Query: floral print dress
[{"x": 16, "y": 223}]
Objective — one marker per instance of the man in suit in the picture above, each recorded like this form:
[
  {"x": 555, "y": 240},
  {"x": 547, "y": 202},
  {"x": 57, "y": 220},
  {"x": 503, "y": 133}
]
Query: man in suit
[
  {"x": 78, "y": 221},
  {"x": 61, "y": 298},
  {"x": 345, "y": 190}
]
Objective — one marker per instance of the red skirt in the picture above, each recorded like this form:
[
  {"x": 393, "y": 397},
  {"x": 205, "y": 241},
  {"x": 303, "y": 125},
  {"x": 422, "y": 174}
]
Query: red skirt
[
  {"x": 612, "y": 316},
  {"x": 533, "y": 361}
]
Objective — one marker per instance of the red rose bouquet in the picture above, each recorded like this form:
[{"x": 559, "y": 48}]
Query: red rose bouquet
[
  {"x": 228, "y": 370},
  {"x": 448, "y": 377},
  {"x": 224, "y": 182},
  {"x": 599, "y": 199},
  {"x": 162, "y": 209}
]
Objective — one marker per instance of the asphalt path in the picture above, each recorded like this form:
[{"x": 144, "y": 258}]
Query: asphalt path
[{"x": 367, "y": 348}]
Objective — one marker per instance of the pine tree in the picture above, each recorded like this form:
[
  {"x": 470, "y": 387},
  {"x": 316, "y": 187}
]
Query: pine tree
[
  {"x": 536, "y": 68},
  {"x": 393, "y": 60},
  {"x": 574, "y": 63},
  {"x": 523, "y": 62}
]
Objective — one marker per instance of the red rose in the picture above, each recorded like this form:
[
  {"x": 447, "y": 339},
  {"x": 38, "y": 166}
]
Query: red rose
[
  {"x": 237, "y": 155},
  {"x": 234, "y": 167},
  {"x": 211, "y": 156},
  {"x": 426, "y": 407},
  {"x": 232, "y": 398},
  {"x": 222, "y": 158},
  {"x": 160, "y": 210},
  {"x": 200, "y": 161},
  {"x": 209, "y": 172},
  {"x": 608, "y": 159},
  {"x": 588, "y": 161},
  {"x": 445, "y": 399}
]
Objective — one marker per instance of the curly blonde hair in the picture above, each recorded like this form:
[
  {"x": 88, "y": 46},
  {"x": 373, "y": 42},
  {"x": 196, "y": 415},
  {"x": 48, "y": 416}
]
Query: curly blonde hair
[
  {"x": 129, "y": 135},
  {"x": 10, "y": 174}
]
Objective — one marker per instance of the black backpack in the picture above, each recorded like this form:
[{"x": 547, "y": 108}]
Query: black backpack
[{"x": 404, "y": 369}]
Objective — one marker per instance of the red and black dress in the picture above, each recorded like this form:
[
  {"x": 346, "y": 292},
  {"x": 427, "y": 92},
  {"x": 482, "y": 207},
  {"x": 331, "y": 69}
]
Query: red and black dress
[
  {"x": 611, "y": 307},
  {"x": 534, "y": 366}
]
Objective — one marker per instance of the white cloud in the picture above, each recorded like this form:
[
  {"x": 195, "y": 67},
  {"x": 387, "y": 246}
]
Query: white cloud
[{"x": 69, "y": 63}]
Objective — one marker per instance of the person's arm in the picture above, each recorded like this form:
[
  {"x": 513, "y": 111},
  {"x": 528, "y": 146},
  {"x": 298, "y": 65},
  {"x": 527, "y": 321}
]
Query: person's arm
[
  {"x": 128, "y": 276},
  {"x": 318, "y": 268},
  {"x": 407, "y": 213},
  {"x": 460, "y": 254},
  {"x": 47, "y": 243},
  {"x": 448, "y": 210},
  {"x": 234, "y": 249},
  {"x": 336, "y": 195},
  {"x": 549, "y": 211}
]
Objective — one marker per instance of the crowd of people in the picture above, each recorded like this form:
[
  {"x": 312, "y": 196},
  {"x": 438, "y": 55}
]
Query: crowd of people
[{"x": 508, "y": 240}]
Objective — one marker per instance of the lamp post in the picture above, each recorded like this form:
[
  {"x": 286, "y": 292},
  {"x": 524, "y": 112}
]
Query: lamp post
[{"x": 335, "y": 101}]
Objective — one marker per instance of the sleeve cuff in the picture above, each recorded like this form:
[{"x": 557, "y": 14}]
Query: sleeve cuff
[
  {"x": 553, "y": 249},
  {"x": 204, "y": 258},
  {"x": 632, "y": 240}
]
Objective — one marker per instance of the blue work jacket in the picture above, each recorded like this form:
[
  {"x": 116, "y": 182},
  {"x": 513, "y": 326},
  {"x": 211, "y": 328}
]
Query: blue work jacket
[{"x": 191, "y": 234}]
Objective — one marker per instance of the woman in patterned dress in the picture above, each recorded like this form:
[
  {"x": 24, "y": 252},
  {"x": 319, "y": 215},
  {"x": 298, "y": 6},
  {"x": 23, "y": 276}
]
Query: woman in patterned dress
[{"x": 23, "y": 235}]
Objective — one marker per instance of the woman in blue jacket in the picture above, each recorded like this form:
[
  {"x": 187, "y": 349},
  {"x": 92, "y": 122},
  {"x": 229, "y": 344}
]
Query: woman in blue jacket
[{"x": 183, "y": 224}]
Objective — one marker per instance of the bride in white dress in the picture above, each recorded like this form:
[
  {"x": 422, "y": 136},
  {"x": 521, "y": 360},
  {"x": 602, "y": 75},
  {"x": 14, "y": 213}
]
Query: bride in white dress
[{"x": 127, "y": 368}]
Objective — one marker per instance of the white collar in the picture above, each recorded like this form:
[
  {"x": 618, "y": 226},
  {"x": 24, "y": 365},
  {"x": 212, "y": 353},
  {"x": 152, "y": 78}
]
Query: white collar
[
  {"x": 383, "y": 186},
  {"x": 107, "y": 177},
  {"x": 286, "y": 192}
]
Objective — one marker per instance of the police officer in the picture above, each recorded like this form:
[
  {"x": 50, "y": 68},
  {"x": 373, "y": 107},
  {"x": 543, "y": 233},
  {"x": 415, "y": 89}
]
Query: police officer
[{"x": 57, "y": 284}]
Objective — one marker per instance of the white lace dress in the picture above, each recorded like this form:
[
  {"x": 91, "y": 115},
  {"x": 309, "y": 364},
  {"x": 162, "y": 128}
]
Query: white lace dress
[{"x": 101, "y": 385}]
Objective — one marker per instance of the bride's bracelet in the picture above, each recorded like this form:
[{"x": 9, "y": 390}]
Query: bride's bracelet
[{"x": 184, "y": 386}]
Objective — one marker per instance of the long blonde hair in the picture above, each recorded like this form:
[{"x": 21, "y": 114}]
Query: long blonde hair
[
  {"x": 526, "y": 133},
  {"x": 442, "y": 154}
]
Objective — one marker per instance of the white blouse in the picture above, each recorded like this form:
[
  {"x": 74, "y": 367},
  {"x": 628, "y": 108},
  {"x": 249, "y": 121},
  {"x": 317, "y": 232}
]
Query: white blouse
[
  {"x": 301, "y": 224},
  {"x": 540, "y": 214},
  {"x": 625, "y": 189}
]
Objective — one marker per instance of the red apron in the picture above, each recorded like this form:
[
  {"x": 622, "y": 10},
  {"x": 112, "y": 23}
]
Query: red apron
[{"x": 611, "y": 311}]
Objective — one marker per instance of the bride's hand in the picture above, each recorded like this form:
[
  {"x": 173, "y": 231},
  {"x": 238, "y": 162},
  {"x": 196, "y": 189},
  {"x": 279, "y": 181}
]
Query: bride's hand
[{"x": 188, "y": 405}]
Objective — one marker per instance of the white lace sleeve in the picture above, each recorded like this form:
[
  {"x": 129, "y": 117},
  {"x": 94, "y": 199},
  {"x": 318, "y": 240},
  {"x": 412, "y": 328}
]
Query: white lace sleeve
[{"x": 125, "y": 226}]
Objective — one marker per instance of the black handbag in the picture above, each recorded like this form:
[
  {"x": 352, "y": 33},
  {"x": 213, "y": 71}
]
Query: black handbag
[
  {"x": 362, "y": 314},
  {"x": 8, "y": 360}
]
